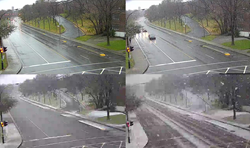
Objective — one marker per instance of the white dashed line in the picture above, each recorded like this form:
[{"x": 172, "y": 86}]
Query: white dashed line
[
  {"x": 245, "y": 69},
  {"x": 83, "y": 72},
  {"x": 84, "y": 57},
  {"x": 120, "y": 71},
  {"x": 120, "y": 145},
  {"x": 207, "y": 72},
  {"x": 102, "y": 145},
  {"x": 209, "y": 56},
  {"x": 102, "y": 70},
  {"x": 227, "y": 69}
]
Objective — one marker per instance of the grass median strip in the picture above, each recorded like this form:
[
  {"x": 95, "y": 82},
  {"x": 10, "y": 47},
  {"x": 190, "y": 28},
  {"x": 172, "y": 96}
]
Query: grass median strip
[
  {"x": 116, "y": 119},
  {"x": 240, "y": 44},
  {"x": 209, "y": 37},
  {"x": 116, "y": 45}
]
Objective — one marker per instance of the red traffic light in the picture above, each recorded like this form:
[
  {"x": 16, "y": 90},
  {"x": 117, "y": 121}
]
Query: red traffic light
[{"x": 127, "y": 124}]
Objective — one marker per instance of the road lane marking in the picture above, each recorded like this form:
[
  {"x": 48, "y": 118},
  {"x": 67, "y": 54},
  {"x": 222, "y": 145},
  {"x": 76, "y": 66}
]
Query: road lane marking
[
  {"x": 75, "y": 66},
  {"x": 103, "y": 145},
  {"x": 209, "y": 56},
  {"x": 177, "y": 48},
  {"x": 120, "y": 144},
  {"x": 83, "y": 72},
  {"x": 102, "y": 70},
  {"x": 84, "y": 57},
  {"x": 46, "y": 64},
  {"x": 94, "y": 143},
  {"x": 207, "y": 72},
  {"x": 92, "y": 124},
  {"x": 212, "y": 70},
  {"x": 245, "y": 69},
  {"x": 120, "y": 71},
  {"x": 38, "y": 53},
  {"x": 200, "y": 66},
  {"x": 38, "y": 127},
  {"x": 227, "y": 70},
  {"x": 55, "y": 137},
  {"x": 165, "y": 53},
  {"x": 173, "y": 63},
  {"x": 143, "y": 51},
  {"x": 88, "y": 71}
]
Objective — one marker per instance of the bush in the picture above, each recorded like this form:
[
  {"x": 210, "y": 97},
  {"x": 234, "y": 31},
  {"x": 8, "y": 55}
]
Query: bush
[{"x": 112, "y": 33}]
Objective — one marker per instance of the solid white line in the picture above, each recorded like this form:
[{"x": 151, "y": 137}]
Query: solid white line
[
  {"x": 33, "y": 140},
  {"x": 83, "y": 72},
  {"x": 102, "y": 70},
  {"x": 143, "y": 51},
  {"x": 165, "y": 54},
  {"x": 84, "y": 57},
  {"x": 93, "y": 124},
  {"x": 38, "y": 54},
  {"x": 120, "y": 145},
  {"x": 46, "y": 64},
  {"x": 227, "y": 70},
  {"x": 57, "y": 137},
  {"x": 199, "y": 66},
  {"x": 120, "y": 71},
  {"x": 245, "y": 69},
  {"x": 75, "y": 66},
  {"x": 173, "y": 63},
  {"x": 102, "y": 145},
  {"x": 207, "y": 72},
  {"x": 209, "y": 56},
  {"x": 38, "y": 127}
]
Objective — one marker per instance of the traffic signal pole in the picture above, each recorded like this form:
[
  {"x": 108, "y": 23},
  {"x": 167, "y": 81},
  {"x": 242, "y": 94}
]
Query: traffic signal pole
[
  {"x": 2, "y": 133},
  {"x": 2, "y": 60}
]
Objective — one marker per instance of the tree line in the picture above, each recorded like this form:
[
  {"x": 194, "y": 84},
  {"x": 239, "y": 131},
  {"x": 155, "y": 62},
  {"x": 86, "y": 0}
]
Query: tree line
[
  {"x": 100, "y": 13},
  {"x": 226, "y": 13},
  {"x": 104, "y": 91},
  {"x": 228, "y": 88}
]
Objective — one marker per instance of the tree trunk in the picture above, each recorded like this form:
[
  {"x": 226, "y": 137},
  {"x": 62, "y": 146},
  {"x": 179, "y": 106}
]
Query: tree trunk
[{"x": 174, "y": 25}]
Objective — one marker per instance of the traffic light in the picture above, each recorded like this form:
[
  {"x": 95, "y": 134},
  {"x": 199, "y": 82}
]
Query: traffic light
[
  {"x": 127, "y": 124},
  {"x": 128, "y": 50},
  {"x": 131, "y": 48},
  {"x": 4, "y": 123},
  {"x": 131, "y": 123},
  {"x": 1, "y": 50}
]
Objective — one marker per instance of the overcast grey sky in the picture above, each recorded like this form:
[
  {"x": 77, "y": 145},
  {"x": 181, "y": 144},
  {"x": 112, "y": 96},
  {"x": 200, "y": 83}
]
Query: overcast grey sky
[
  {"x": 12, "y": 79},
  {"x": 144, "y": 4},
  {"x": 18, "y": 4}
]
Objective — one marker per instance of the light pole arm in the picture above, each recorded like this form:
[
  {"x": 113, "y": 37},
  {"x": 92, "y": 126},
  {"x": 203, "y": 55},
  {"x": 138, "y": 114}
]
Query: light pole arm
[
  {"x": 130, "y": 15},
  {"x": 4, "y": 14}
]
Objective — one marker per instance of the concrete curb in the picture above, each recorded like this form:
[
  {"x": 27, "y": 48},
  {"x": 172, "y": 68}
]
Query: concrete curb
[
  {"x": 74, "y": 40},
  {"x": 78, "y": 115},
  {"x": 203, "y": 115},
  {"x": 197, "y": 39},
  {"x": 16, "y": 71}
]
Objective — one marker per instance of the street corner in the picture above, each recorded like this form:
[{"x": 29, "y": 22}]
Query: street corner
[
  {"x": 136, "y": 135},
  {"x": 12, "y": 137}
]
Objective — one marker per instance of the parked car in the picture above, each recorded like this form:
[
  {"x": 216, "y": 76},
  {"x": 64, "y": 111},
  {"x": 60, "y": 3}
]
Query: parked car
[{"x": 151, "y": 37}]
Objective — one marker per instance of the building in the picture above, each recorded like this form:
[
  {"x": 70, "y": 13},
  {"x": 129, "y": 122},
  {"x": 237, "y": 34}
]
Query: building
[{"x": 119, "y": 20}]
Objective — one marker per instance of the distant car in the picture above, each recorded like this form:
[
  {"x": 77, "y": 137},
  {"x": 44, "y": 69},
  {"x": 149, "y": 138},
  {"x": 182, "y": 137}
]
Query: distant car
[
  {"x": 144, "y": 30},
  {"x": 151, "y": 37}
]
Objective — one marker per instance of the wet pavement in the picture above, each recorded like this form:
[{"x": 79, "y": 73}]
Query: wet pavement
[{"x": 44, "y": 53}]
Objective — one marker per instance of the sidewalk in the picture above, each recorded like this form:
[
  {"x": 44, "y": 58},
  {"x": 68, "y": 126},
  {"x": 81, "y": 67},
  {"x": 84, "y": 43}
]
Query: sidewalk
[
  {"x": 13, "y": 138},
  {"x": 138, "y": 138},
  {"x": 14, "y": 63},
  {"x": 141, "y": 64}
]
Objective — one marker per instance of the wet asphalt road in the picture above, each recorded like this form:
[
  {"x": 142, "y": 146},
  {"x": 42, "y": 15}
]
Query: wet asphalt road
[
  {"x": 49, "y": 54},
  {"x": 42, "y": 127},
  {"x": 71, "y": 30},
  {"x": 173, "y": 54},
  {"x": 156, "y": 121}
]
